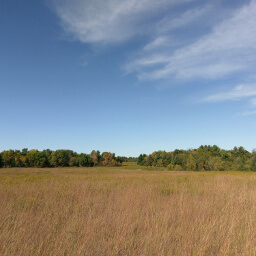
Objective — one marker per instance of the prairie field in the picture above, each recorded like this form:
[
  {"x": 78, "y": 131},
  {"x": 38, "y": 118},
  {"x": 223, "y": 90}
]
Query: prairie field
[{"x": 129, "y": 210}]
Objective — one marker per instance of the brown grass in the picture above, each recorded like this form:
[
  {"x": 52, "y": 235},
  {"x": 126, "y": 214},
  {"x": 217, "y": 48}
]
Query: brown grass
[{"x": 122, "y": 211}]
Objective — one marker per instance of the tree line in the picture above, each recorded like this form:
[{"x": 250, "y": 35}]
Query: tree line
[
  {"x": 204, "y": 158},
  {"x": 59, "y": 158}
]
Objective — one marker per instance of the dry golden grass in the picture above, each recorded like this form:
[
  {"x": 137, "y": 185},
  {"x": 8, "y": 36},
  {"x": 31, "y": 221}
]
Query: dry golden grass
[{"x": 126, "y": 211}]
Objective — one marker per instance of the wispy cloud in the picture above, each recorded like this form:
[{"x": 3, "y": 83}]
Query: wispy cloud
[
  {"x": 184, "y": 39},
  {"x": 160, "y": 41},
  {"x": 238, "y": 93},
  {"x": 253, "y": 101},
  {"x": 109, "y": 21},
  {"x": 167, "y": 24},
  {"x": 248, "y": 113},
  {"x": 230, "y": 47}
]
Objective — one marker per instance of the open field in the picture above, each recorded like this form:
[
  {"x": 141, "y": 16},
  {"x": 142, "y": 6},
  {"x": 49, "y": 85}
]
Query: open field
[{"x": 126, "y": 211}]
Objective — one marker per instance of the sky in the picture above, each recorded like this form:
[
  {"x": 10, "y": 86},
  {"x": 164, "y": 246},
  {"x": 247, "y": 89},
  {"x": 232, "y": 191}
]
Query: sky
[{"x": 127, "y": 76}]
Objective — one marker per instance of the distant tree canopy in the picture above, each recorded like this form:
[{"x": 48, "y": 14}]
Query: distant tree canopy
[
  {"x": 204, "y": 158},
  {"x": 58, "y": 158},
  {"x": 1, "y": 162}
]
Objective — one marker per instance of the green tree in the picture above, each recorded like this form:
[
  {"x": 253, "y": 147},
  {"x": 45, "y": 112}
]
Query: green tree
[
  {"x": 53, "y": 159},
  {"x": 47, "y": 154},
  {"x": 85, "y": 160},
  {"x": 24, "y": 151},
  {"x": 37, "y": 158},
  {"x": 180, "y": 158},
  {"x": 8, "y": 158},
  {"x": 61, "y": 157},
  {"x": 191, "y": 163},
  {"x": 141, "y": 159},
  {"x": 18, "y": 159},
  {"x": 253, "y": 161},
  {"x": 216, "y": 164},
  {"x": 148, "y": 160},
  {"x": 74, "y": 161},
  {"x": 120, "y": 159},
  {"x": 201, "y": 163},
  {"x": 1, "y": 161}
]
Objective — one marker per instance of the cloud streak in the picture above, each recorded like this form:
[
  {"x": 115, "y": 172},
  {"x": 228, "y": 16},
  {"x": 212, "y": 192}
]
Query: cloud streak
[
  {"x": 167, "y": 24},
  {"x": 230, "y": 47},
  {"x": 109, "y": 21},
  {"x": 238, "y": 93},
  {"x": 181, "y": 42}
]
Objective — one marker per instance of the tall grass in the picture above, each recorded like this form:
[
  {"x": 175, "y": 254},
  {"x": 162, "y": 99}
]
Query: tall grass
[{"x": 119, "y": 211}]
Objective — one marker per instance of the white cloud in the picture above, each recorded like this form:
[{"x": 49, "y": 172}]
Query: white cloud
[
  {"x": 109, "y": 21},
  {"x": 249, "y": 113},
  {"x": 237, "y": 93},
  {"x": 160, "y": 41},
  {"x": 229, "y": 48},
  {"x": 253, "y": 102},
  {"x": 180, "y": 46},
  {"x": 167, "y": 24}
]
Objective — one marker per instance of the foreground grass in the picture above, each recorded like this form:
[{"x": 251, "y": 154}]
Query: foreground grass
[{"x": 126, "y": 211}]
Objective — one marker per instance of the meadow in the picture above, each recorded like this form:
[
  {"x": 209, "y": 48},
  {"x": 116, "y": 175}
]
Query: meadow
[{"x": 129, "y": 210}]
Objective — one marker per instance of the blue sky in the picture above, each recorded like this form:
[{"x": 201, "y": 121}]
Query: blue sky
[{"x": 127, "y": 76}]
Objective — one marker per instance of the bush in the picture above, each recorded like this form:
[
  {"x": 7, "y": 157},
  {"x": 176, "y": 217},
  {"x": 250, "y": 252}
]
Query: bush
[{"x": 176, "y": 167}]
